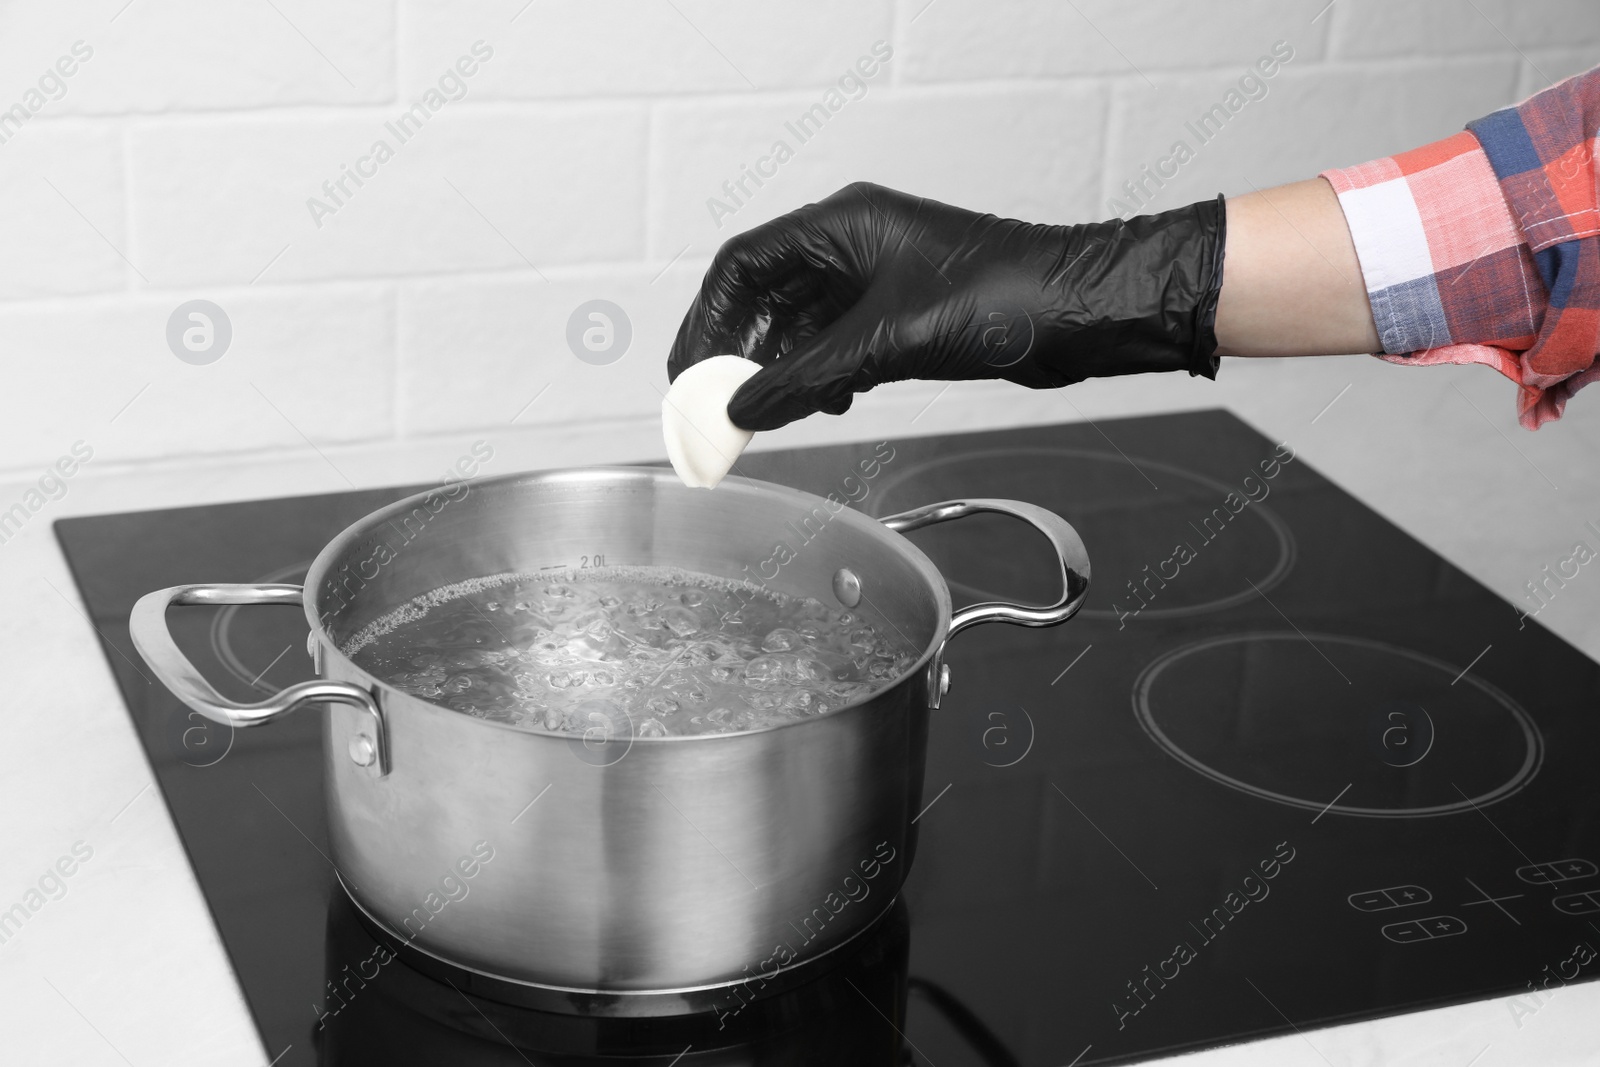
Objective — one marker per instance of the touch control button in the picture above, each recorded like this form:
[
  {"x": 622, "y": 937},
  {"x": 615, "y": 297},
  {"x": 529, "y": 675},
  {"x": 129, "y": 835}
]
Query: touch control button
[
  {"x": 1578, "y": 903},
  {"x": 1559, "y": 871},
  {"x": 1404, "y": 932},
  {"x": 1396, "y": 896},
  {"x": 1428, "y": 929}
]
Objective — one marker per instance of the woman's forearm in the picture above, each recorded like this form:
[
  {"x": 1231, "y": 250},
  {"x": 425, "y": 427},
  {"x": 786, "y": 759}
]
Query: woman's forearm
[{"x": 1291, "y": 283}]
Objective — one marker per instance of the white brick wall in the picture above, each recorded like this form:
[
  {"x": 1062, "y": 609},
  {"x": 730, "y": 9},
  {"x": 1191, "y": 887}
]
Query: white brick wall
[
  {"x": 1418, "y": 28},
  {"x": 176, "y": 163},
  {"x": 644, "y": 48},
  {"x": 60, "y": 184},
  {"x": 214, "y": 199},
  {"x": 313, "y": 363},
  {"x": 944, "y": 142},
  {"x": 1355, "y": 117},
  {"x": 966, "y": 40},
  {"x": 197, "y": 55},
  {"x": 478, "y": 352}
]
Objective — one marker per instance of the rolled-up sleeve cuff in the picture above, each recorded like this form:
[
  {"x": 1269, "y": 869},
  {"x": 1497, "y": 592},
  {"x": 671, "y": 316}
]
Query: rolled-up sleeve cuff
[{"x": 1434, "y": 237}]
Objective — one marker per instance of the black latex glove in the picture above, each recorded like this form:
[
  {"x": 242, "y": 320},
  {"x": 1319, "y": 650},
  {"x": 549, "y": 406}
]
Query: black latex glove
[{"x": 872, "y": 285}]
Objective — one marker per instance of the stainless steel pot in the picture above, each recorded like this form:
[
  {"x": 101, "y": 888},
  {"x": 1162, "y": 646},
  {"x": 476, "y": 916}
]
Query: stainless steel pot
[{"x": 629, "y": 875}]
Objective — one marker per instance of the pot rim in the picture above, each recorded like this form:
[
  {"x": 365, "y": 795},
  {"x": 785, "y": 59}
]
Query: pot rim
[{"x": 622, "y": 474}]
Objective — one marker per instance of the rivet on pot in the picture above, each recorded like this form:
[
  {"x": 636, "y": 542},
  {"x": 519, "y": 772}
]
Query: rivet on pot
[
  {"x": 847, "y": 587},
  {"x": 944, "y": 678},
  {"x": 362, "y": 750}
]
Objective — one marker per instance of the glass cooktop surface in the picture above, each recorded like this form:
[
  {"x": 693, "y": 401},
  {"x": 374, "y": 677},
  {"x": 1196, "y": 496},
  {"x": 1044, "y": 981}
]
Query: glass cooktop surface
[{"x": 1287, "y": 768}]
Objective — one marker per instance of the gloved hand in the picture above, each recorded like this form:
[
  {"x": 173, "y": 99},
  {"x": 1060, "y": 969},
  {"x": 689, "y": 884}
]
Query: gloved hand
[{"x": 872, "y": 285}]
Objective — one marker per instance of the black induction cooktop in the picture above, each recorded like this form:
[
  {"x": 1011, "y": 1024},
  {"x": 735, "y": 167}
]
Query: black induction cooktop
[{"x": 1287, "y": 768}]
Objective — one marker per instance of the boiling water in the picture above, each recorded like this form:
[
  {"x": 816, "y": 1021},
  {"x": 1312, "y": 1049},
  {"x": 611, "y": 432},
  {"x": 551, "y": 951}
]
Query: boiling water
[{"x": 656, "y": 650}]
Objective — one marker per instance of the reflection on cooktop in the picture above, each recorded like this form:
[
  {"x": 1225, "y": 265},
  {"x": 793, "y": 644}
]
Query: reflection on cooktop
[
  {"x": 1337, "y": 724},
  {"x": 378, "y": 1009},
  {"x": 1165, "y": 542}
]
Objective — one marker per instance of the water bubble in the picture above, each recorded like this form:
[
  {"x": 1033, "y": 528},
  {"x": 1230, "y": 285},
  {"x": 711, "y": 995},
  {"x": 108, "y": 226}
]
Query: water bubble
[
  {"x": 803, "y": 671},
  {"x": 881, "y": 669},
  {"x": 652, "y": 728},
  {"x": 680, "y": 622},
  {"x": 595, "y": 623},
  {"x": 764, "y": 670},
  {"x": 781, "y": 640},
  {"x": 728, "y": 655}
]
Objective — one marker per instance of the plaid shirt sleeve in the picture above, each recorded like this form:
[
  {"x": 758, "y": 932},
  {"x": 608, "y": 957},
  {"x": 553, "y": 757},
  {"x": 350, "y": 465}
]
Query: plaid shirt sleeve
[{"x": 1485, "y": 247}]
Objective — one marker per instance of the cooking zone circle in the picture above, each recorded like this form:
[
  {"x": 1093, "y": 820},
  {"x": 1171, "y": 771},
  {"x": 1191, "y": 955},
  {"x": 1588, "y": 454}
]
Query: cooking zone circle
[
  {"x": 1130, "y": 512},
  {"x": 266, "y": 629},
  {"x": 1336, "y": 724}
]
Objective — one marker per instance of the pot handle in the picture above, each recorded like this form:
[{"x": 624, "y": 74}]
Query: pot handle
[
  {"x": 148, "y": 626},
  {"x": 1074, "y": 560}
]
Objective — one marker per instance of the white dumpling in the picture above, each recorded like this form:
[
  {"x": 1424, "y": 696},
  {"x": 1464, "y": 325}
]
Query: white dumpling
[{"x": 702, "y": 442}]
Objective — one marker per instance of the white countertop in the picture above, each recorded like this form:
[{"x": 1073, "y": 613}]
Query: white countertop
[{"x": 126, "y": 968}]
